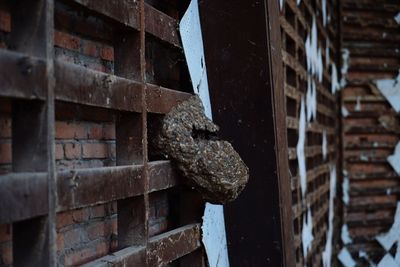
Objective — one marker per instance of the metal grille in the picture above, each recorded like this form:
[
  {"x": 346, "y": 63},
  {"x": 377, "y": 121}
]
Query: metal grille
[
  {"x": 372, "y": 37},
  {"x": 37, "y": 82},
  {"x": 296, "y": 22}
]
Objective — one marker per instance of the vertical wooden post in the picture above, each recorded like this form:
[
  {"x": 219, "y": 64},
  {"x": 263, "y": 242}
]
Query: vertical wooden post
[
  {"x": 131, "y": 139},
  {"x": 33, "y": 131},
  {"x": 246, "y": 91}
]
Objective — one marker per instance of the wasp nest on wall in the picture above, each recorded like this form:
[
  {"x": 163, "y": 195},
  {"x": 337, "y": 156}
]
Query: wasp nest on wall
[{"x": 210, "y": 165}]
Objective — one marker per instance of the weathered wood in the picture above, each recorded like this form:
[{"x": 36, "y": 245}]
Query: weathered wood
[
  {"x": 22, "y": 196},
  {"x": 83, "y": 86},
  {"x": 174, "y": 244},
  {"x": 162, "y": 176},
  {"x": 130, "y": 256},
  {"x": 80, "y": 188},
  {"x": 161, "y": 249},
  {"x": 124, "y": 12},
  {"x": 33, "y": 129},
  {"x": 161, "y": 100},
  {"x": 161, "y": 26},
  {"x": 22, "y": 76}
]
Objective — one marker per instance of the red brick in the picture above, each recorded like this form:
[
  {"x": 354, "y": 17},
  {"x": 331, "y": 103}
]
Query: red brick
[
  {"x": 59, "y": 151},
  {"x": 107, "y": 53},
  {"x": 109, "y": 131},
  {"x": 81, "y": 215},
  {"x": 5, "y": 153},
  {"x": 64, "y": 219},
  {"x": 65, "y": 40},
  {"x": 5, "y": 127},
  {"x": 95, "y": 132},
  {"x": 5, "y": 21},
  {"x": 102, "y": 249},
  {"x": 60, "y": 241},
  {"x": 90, "y": 49},
  {"x": 72, "y": 237},
  {"x": 94, "y": 151},
  {"x": 97, "y": 211},
  {"x": 5, "y": 233},
  {"x": 72, "y": 151},
  {"x": 98, "y": 229},
  {"x": 73, "y": 130},
  {"x": 6, "y": 254}
]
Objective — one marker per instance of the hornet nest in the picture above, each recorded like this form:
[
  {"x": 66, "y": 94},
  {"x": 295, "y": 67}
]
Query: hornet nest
[{"x": 210, "y": 165}]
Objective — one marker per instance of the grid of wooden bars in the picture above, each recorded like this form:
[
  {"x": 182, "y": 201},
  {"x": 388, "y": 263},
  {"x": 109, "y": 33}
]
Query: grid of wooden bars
[
  {"x": 372, "y": 37},
  {"x": 33, "y": 193},
  {"x": 296, "y": 22}
]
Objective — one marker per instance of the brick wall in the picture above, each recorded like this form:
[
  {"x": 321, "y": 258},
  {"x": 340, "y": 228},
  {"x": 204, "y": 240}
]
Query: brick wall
[
  {"x": 371, "y": 35},
  {"x": 85, "y": 138}
]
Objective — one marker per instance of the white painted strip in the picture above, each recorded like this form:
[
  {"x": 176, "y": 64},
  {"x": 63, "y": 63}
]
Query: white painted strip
[
  {"x": 345, "y": 235},
  {"x": 346, "y": 259},
  {"x": 387, "y": 261},
  {"x": 306, "y": 233},
  {"x": 388, "y": 239},
  {"x": 394, "y": 159},
  {"x": 214, "y": 235},
  {"x": 301, "y": 159},
  {"x": 390, "y": 89}
]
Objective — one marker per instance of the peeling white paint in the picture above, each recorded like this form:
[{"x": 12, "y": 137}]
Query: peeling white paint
[
  {"x": 327, "y": 253},
  {"x": 327, "y": 52},
  {"x": 300, "y": 149},
  {"x": 387, "y": 261},
  {"x": 394, "y": 159},
  {"x": 345, "y": 190},
  {"x": 324, "y": 145},
  {"x": 346, "y": 259},
  {"x": 397, "y": 18},
  {"x": 214, "y": 235},
  {"x": 358, "y": 105},
  {"x": 345, "y": 235},
  {"x": 313, "y": 53},
  {"x": 388, "y": 239},
  {"x": 345, "y": 66},
  {"x": 323, "y": 6},
  {"x": 335, "y": 86},
  {"x": 363, "y": 255},
  {"x": 306, "y": 233},
  {"x": 281, "y": 2},
  {"x": 345, "y": 112},
  {"x": 311, "y": 99},
  {"x": 298, "y": 2},
  {"x": 397, "y": 256},
  {"x": 390, "y": 89}
]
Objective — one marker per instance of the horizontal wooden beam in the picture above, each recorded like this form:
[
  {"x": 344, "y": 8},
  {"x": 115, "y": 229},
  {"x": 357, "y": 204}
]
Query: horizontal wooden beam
[
  {"x": 85, "y": 187},
  {"x": 157, "y": 23},
  {"x": 161, "y": 26},
  {"x": 161, "y": 249},
  {"x": 169, "y": 246},
  {"x": 81, "y": 85},
  {"x": 22, "y": 196},
  {"x": 161, "y": 100},
  {"x": 130, "y": 256},
  {"x": 22, "y": 76}
]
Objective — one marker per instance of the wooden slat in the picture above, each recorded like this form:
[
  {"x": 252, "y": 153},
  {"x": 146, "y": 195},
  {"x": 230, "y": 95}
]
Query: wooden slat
[
  {"x": 161, "y": 249},
  {"x": 174, "y": 244},
  {"x": 22, "y": 196},
  {"x": 130, "y": 256},
  {"x": 162, "y": 26},
  {"x": 162, "y": 176},
  {"x": 84, "y": 86},
  {"x": 162, "y": 100},
  {"x": 157, "y": 23},
  {"x": 80, "y": 188},
  {"x": 22, "y": 76},
  {"x": 124, "y": 12}
]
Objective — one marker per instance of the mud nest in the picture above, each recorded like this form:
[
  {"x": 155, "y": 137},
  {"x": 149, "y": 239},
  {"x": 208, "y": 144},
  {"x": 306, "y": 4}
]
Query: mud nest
[{"x": 209, "y": 165}]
